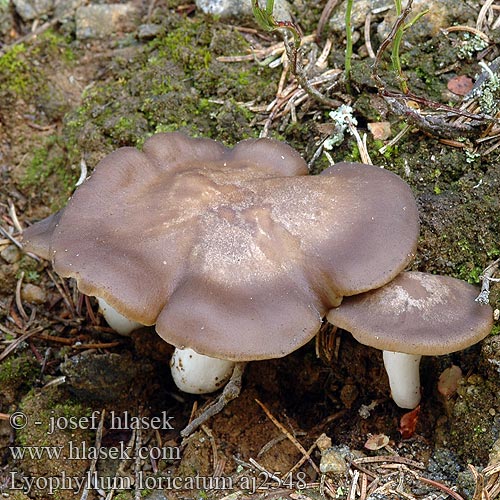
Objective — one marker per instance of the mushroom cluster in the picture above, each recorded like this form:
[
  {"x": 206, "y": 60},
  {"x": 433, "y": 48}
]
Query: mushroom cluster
[{"x": 234, "y": 254}]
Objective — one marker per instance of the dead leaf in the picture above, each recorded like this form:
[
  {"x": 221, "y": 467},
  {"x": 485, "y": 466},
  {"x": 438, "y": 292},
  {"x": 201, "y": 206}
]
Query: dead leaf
[
  {"x": 449, "y": 380},
  {"x": 376, "y": 442},
  {"x": 380, "y": 130},
  {"x": 408, "y": 423}
]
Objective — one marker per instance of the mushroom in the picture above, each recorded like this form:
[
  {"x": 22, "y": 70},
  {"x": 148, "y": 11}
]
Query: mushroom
[
  {"x": 236, "y": 254},
  {"x": 415, "y": 314}
]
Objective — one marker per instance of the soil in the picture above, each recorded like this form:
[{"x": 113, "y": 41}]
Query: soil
[{"x": 64, "y": 101}]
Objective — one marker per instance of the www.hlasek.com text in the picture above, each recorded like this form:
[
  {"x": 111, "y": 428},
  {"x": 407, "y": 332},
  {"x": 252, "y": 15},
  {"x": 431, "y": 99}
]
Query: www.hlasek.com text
[{"x": 82, "y": 451}]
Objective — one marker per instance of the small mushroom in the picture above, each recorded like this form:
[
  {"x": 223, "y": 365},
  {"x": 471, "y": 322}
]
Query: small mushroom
[
  {"x": 415, "y": 314},
  {"x": 236, "y": 254}
]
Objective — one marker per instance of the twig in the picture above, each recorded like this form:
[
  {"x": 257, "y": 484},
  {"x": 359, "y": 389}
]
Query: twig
[
  {"x": 354, "y": 484},
  {"x": 10, "y": 237},
  {"x": 137, "y": 462},
  {"x": 19, "y": 302},
  {"x": 482, "y": 13},
  {"x": 263, "y": 469},
  {"x": 441, "y": 487},
  {"x": 304, "y": 457},
  {"x": 13, "y": 216},
  {"x": 19, "y": 340},
  {"x": 394, "y": 140},
  {"x": 389, "y": 458},
  {"x": 98, "y": 440},
  {"x": 479, "y": 479},
  {"x": 368, "y": 40},
  {"x": 349, "y": 45},
  {"x": 298, "y": 71},
  {"x": 325, "y": 15},
  {"x": 63, "y": 293},
  {"x": 469, "y": 29},
  {"x": 287, "y": 434},
  {"x": 33, "y": 34},
  {"x": 231, "y": 391},
  {"x": 215, "y": 454}
]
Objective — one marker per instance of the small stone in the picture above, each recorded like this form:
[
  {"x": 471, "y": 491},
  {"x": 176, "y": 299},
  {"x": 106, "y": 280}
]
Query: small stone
[
  {"x": 66, "y": 10},
  {"x": 11, "y": 254},
  {"x": 149, "y": 31},
  {"x": 360, "y": 9},
  {"x": 460, "y": 85},
  {"x": 323, "y": 442},
  {"x": 494, "y": 455},
  {"x": 332, "y": 460},
  {"x": 238, "y": 8},
  {"x": 32, "y": 9},
  {"x": 348, "y": 394},
  {"x": 33, "y": 294},
  {"x": 439, "y": 15},
  {"x": 101, "y": 21}
]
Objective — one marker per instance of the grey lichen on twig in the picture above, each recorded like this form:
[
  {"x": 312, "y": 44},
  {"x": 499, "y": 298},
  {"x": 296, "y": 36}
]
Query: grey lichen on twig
[
  {"x": 486, "y": 279},
  {"x": 231, "y": 391}
]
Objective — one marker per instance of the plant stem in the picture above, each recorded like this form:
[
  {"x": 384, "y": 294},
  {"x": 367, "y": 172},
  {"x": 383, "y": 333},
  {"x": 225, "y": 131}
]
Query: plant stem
[{"x": 396, "y": 44}]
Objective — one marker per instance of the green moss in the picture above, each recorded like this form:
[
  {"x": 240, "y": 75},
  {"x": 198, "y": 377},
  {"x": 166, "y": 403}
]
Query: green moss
[
  {"x": 178, "y": 46},
  {"x": 53, "y": 43},
  {"x": 16, "y": 371},
  {"x": 32, "y": 269},
  {"x": 16, "y": 74},
  {"x": 21, "y": 78},
  {"x": 495, "y": 330},
  {"x": 48, "y": 168}
]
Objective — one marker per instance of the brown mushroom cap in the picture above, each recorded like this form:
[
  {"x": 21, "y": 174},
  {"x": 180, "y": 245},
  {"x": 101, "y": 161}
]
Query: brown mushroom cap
[
  {"x": 236, "y": 253},
  {"x": 416, "y": 313}
]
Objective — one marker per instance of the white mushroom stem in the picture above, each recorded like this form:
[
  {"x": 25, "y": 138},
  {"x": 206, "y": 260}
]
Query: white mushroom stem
[
  {"x": 403, "y": 371},
  {"x": 199, "y": 374},
  {"x": 115, "y": 320}
]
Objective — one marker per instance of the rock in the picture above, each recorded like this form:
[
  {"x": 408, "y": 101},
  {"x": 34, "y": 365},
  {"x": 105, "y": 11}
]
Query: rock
[
  {"x": 238, "y": 8},
  {"x": 11, "y": 254},
  {"x": 149, "y": 31},
  {"x": 358, "y": 14},
  {"x": 441, "y": 14},
  {"x": 105, "y": 377},
  {"x": 33, "y": 294},
  {"x": 65, "y": 9},
  {"x": 32, "y": 9},
  {"x": 334, "y": 460},
  {"x": 6, "y": 20},
  {"x": 101, "y": 21},
  {"x": 494, "y": 455}
]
